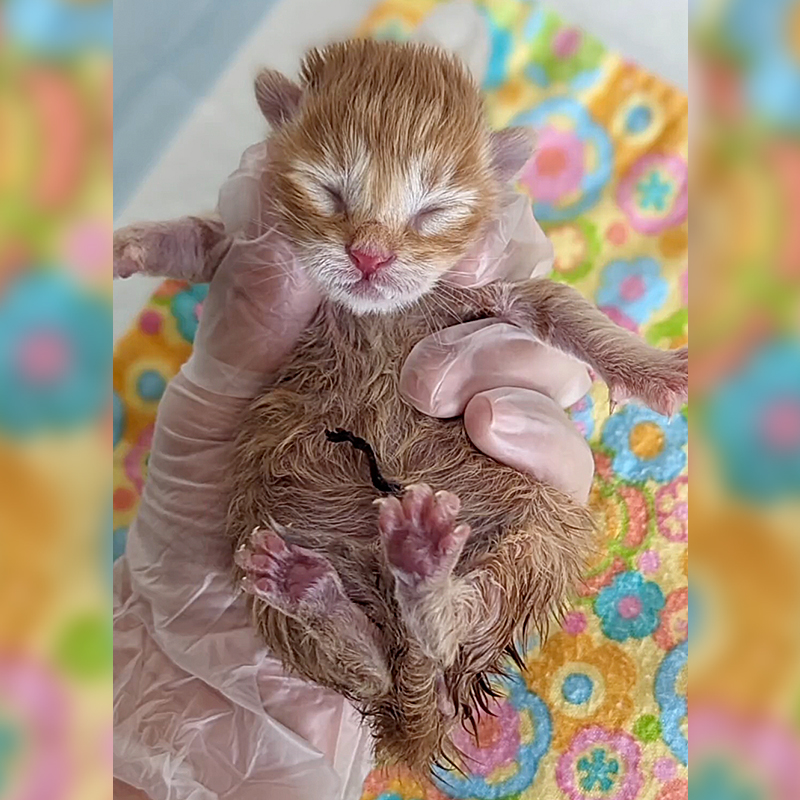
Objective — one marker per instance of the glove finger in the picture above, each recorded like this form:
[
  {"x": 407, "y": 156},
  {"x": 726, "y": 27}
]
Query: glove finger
[
  {"x": 529, "y": 432},
  {"x": 445, "y": 370}
]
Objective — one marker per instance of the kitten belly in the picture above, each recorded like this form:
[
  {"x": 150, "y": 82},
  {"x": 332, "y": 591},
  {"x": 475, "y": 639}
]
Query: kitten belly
[{"x": 320, "y": 493}]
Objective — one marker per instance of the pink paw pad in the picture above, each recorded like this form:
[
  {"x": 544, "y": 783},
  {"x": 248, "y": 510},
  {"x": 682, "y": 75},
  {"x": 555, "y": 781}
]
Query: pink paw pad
[
  {"x": 288, "y": 577},
  {"x": 420, "y": 536}
]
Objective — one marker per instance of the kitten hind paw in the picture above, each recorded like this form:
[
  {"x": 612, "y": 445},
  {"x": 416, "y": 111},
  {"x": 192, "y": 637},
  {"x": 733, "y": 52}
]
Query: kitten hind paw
[
  {"x": 294, "y": 580},
  {"x": 420, "y": 537}
]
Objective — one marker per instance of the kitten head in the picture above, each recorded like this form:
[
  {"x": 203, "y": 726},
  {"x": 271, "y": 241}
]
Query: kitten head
[{"x": 382, "y": 168}]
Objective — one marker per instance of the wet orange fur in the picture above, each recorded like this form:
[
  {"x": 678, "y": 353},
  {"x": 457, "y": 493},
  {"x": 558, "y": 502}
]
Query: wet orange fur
[
  {"x": 395, "y": 104},
  {"x": 402, "y": 103},
  {"x": 525, "y": 553}
]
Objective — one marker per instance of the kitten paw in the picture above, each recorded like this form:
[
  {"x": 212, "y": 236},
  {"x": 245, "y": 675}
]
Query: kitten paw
[
  {"x": 294, "y": 580},
  {"x": 130, "y": 255},
  {"x": 420, "y": 537},
  {"x": 660, "y": 382}
]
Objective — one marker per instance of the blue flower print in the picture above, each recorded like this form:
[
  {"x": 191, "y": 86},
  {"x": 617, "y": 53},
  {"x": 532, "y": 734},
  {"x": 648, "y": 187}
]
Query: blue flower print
[
  {"x": 672, "y": 703},
  {"x": 55, "y": 354},
  {"x": 635, "y": 287},
  {"x": 598, "y": 772},
  {"x": 646, "y": 444},
  {"x": 753, "y": 420},
  {"x": 638, "y": 120},
  {"x": 530, "y": 754},
  {"x": 653, "y": 192},
  {"x": 630, "y": 607},
  {"x": 185, "y": 308},
  {"x": 573, "y": 162}
]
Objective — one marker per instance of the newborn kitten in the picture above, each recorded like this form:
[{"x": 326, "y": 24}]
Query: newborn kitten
[{"x": 383, "y": 174}]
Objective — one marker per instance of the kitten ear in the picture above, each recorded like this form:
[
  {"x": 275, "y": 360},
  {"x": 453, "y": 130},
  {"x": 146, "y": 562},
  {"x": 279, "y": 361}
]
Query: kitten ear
[
  {"x": 277, "y": 96},
  {"x": 510, "y": 150}
]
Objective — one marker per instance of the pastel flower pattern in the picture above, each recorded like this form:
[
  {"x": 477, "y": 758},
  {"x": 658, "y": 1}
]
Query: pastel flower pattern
[
  {"x": 186, "y": 307},
  {"x": 671, "y": 697},
  {"x": 55, "y": 358},
  {"x": 635, "y": 288},
  {"x": 600, "y": 764},
  {"x": 772, "y": 80},
  {"x": 400, "y": 784},
  {"x": 674, "y": 627},
  {"x": 646, "y": 444},
  {"x": 583, "y": 683},
  {"x": 137, "y": 457},
  {"x": 576, "y": 246},
  {"x": 560, "y": 53},
  {"x": 630, "y": 607},
  {"x": 499, "y": 54},
  {"x": 534, "y": 726},
  {"x": 655, "y": 193},
  {"x": 573, "y": 160},
  {"x": 672, "y": 510},
  {"x": 622, "y": 513},
  {"x": 677, "y": 789},
  {"x": 753, "y": 419},
  {"x": 499, "y": 739}
]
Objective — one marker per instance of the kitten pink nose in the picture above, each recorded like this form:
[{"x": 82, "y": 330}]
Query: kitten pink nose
[{"x": 369, "y": 263}]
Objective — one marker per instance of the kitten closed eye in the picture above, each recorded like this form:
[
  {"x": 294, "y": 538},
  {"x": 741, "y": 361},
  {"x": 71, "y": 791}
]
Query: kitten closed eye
[
  {"x": 433, "y": 220},
  {"x": 337, "y": 200},
  {"x": 427, "y": 217}
]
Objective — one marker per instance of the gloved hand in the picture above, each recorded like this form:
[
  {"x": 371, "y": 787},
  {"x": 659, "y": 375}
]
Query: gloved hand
[
  {"x": 201, "y": 709},
  {"x": 510, "y": 388}
]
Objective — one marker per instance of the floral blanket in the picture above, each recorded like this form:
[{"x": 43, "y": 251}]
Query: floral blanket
[{"x": 600, "y": 710}]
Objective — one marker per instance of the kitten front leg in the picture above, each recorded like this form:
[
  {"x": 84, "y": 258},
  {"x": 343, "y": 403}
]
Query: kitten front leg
[
  {"x": 304, "y": 585},
  {"x": 188, "y": 249},
  {"x": 422, "y": 545},
  {"x": 559, "y": 316}
]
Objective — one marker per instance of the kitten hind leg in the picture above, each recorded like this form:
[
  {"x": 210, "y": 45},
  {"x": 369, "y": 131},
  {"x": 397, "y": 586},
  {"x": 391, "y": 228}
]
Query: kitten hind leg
[
  {"x": 422, "y": 545},
  {"x": 304, "y": 585}
]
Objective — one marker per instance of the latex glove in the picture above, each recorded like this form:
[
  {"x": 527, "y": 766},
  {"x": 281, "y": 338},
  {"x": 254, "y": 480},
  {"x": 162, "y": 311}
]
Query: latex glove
[
  {"x": 201, "y": 709},
  {"x": 510, "y": 388}
]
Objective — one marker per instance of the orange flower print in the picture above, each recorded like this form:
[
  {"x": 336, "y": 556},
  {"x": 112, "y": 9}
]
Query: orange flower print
[{"x": 582, "y": 683}]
